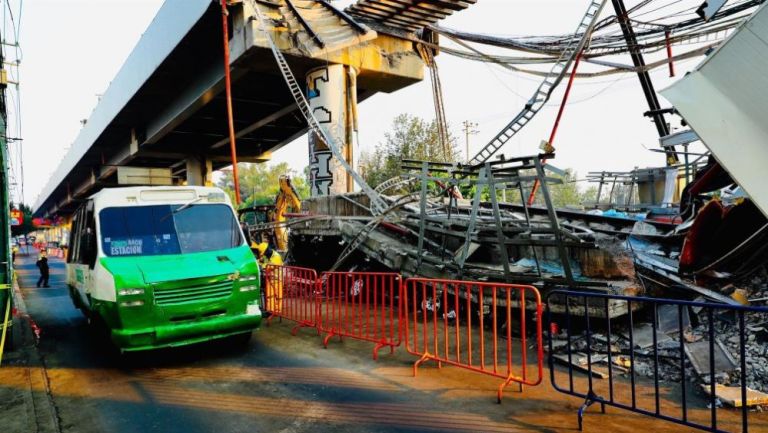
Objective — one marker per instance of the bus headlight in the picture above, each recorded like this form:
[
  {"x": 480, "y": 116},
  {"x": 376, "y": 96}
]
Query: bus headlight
[
  {"x": 129, "y": 292},
  {"x": 252, "y": 309},
  {"x": 132, "y": 303},
  {"x": 249, "y": 288},
  {"x": 249, "y": 278}
]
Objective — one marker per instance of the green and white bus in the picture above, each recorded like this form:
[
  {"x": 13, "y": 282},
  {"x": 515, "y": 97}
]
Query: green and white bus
[{"x": 163, "y": 266}]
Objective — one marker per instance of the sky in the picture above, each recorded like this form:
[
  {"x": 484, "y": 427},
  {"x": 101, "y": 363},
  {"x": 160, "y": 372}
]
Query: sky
[{"x": 73, "y": 48}]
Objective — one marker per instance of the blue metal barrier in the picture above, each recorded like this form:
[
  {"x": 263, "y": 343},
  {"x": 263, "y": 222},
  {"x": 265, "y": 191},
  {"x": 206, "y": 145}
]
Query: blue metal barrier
[{"x": 585, "y": 319}]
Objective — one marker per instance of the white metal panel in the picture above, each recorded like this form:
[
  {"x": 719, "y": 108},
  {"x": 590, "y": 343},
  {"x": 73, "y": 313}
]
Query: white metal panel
[
  {"x": 725, "y": 100},
  {"x": 710, "y": 8},
  {"x": 679, "y": 138}
]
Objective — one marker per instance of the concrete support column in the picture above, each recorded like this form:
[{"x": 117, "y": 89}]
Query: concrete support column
[
  {"x": 199, "y": 171},
  {"x": 332, "y": 94}
]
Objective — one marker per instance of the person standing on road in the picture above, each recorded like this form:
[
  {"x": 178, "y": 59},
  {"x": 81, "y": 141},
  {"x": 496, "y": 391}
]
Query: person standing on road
[{"x": 42, "y": 264}]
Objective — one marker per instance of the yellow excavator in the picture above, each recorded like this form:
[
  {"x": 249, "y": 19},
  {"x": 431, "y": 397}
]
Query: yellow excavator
[
  {"x": 271, "y": 245},
  {"x": 277, "y": 237},
  {"x": 286, "y": 197}
]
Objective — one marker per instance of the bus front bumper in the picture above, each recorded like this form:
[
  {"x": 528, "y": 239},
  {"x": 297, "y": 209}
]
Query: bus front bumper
[{"x": 181, "y": 334}]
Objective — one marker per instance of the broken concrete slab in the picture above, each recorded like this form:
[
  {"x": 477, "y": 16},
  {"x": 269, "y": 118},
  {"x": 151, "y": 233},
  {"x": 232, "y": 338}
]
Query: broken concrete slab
[
  {"x": 643, "y": 228},
  {"x": 615, "y": 339},
  {"x": 698, "y": 354},
  {"x": 558, "y": 344},
  {"x": 731, "y": 395},
  {"x": 668, "y": 319},
  {"x": 580, "y": 363},
  {"x": 642, "y": 336}
]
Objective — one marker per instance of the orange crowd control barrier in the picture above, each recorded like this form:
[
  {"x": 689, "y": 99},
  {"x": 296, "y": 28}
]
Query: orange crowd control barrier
[
  {"x": 361, "y": 305},
  {"x": 291, "y": 294},
  {"x": 477, "y": 326}
]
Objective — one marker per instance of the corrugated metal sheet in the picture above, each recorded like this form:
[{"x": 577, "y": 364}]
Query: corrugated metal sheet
[
  {"x": 725, "y": 100},
  {"x": 409, "y": 15}
]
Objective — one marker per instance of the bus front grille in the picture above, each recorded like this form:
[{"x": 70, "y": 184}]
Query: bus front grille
[{"x": 180, "y": 295}]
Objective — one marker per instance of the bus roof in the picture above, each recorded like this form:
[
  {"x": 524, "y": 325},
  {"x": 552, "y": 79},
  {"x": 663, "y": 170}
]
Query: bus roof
[{"x": 153, "y": 195}]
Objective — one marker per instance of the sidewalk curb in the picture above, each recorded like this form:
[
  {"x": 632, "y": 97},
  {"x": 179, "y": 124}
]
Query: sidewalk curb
[{"x": 39, "y": 407}]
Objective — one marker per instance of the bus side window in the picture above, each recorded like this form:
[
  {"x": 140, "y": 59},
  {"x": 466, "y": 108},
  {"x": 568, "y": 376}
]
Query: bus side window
[
  {"x": 83, "y": 237},
  {"x": 72, "y": 240},
  {"x": 89, "y": 254},
  {"x": 74, "y": 255}
]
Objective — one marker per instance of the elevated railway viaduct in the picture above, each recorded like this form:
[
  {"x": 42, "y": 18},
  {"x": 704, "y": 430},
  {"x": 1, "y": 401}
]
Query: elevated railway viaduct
[{"x": 165, "y": 113}]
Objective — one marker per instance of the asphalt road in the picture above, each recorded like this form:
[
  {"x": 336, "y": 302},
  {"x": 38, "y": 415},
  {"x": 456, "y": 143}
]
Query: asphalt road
[{"x": 279, "y": 383}]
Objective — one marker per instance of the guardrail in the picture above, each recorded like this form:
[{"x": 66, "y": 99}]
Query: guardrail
[
  {"x": 291, "y": 293},
  {"x": 668, "y": 344},
  {"x": 481, "y": 327},
  {"x": 470, "y": 325},
  {"x": 360, "y": 305}
]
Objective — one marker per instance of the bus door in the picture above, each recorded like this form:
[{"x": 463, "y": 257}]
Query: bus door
[{"x": 82, "y": 254}]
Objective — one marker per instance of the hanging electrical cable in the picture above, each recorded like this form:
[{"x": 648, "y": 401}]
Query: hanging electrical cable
[
  {"x": 608, "y": 40},
  {"x": 13, "y": 128},
  {"x": 437, "y": 95}
]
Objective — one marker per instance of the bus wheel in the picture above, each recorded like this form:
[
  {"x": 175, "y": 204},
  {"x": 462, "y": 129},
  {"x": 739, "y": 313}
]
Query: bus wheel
[{"x": 100, "y": 333}]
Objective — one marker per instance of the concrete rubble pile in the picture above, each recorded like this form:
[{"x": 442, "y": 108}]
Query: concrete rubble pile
[
  {"x": 708, "y": 253},
  {"x": 695, "y": 345}
]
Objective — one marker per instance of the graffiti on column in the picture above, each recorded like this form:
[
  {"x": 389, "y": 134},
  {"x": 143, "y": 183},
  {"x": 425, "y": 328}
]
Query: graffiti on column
[{"x": 321, "y": 176}]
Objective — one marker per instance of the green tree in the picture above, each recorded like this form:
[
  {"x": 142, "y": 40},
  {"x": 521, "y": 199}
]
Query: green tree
[
  {"x": 411, "y": 137},
  {"x": 414, "y": 138},
  {"x": 589, "y": 195},
  {"x": 259, "y": 182},
  {"x": 562, "y": 194},
  {"x": 566, "y": 193}
]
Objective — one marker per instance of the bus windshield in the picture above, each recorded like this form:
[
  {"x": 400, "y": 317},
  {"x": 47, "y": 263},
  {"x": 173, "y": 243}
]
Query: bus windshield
[{"x": 168, "y": 229}]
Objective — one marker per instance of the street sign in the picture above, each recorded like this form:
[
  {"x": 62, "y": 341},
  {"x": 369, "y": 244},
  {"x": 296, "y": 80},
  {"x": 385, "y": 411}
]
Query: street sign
[{"x": 17, "y": 217}]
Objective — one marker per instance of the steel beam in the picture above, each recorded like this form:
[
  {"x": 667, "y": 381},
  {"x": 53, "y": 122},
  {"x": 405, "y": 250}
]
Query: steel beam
[
  {"x": 645, "y": 78},
  {"x": 207, "y": 84},
  {"x": 258, "y": 124}
]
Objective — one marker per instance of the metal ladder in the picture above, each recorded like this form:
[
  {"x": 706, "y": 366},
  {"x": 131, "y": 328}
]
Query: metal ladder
[
  {"x": 378, "y": 205},
  {"x": 545, "y": 89}
]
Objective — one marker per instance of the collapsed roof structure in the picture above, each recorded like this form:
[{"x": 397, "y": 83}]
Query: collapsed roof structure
[{"x": 429, "y": 230}]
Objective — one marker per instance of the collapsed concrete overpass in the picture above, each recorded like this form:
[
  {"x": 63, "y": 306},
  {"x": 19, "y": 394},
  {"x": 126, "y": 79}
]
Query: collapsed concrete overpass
[{"x": 165, "y": 109}]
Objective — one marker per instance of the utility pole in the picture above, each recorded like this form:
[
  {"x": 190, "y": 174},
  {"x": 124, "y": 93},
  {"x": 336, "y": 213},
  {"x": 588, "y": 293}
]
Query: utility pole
[{"x": 469, "y": 129}]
